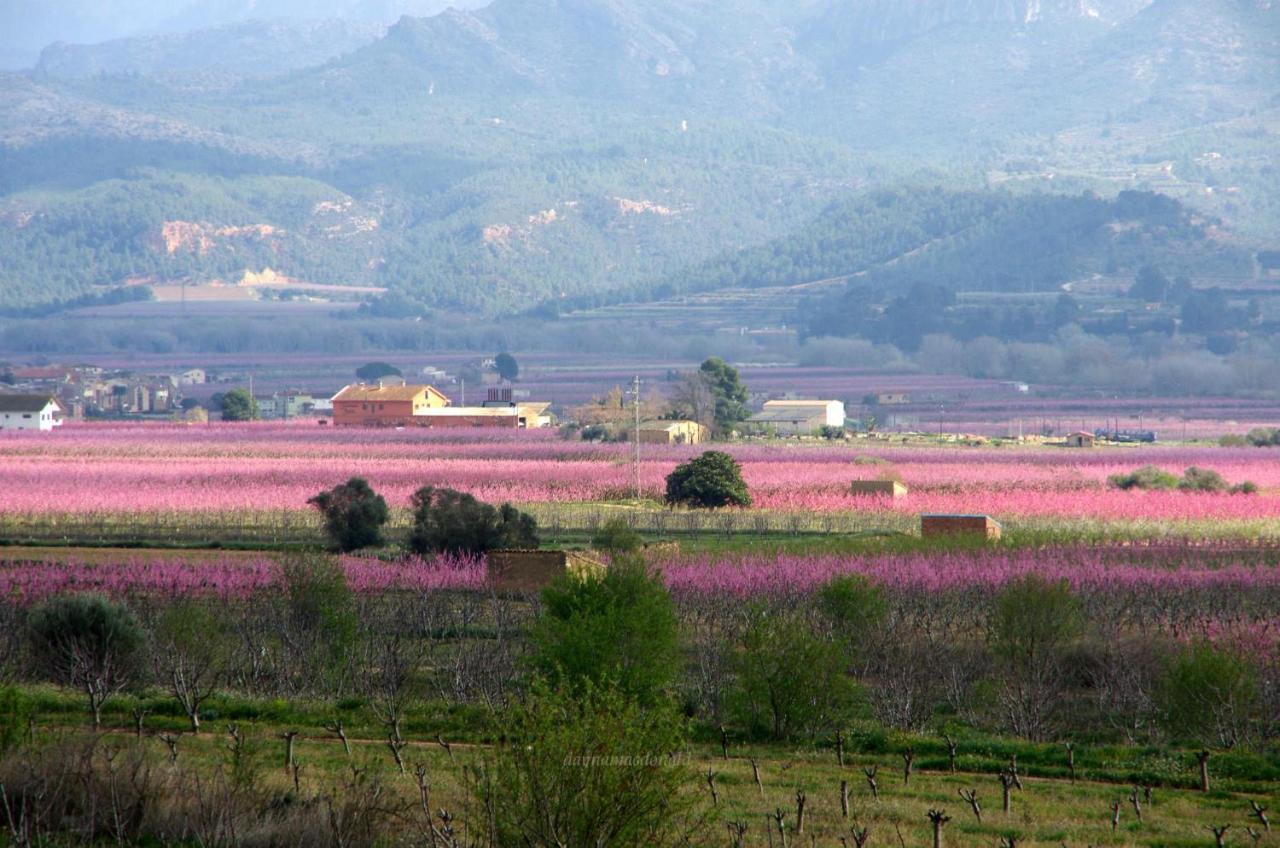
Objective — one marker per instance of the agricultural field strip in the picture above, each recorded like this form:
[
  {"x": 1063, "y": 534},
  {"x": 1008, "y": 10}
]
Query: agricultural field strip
[{"x": 275, "y": 468}]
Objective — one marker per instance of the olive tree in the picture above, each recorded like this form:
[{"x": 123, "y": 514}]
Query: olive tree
[{"x": 88, "y": 643}]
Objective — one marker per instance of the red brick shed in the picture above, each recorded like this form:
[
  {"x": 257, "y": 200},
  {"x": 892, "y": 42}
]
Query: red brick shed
[{"x": 982, "y": 526}]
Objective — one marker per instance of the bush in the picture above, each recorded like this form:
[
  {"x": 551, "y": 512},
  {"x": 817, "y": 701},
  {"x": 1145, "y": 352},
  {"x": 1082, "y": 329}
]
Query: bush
[
  {"x": 855, "y": 607},
  {"x": 1147, "y": 478},
  {"x": 88, "y": 643},
  {"x": 321, "y": 610},
  {"x": 586, "y": 768},
  {"x": 711, "y": 480},
  {"x": 789, "y": 683},
  {"x": 618, "y": 630},
  {"x": 448, "y": 521},
  {"x": 1248, "y": 487},
  {"x": 1208, "y": 695},
  {"x": 1202, "y": 480},
  {"x": 1263, "y": 437},
  {"x": 616, "y": 536},
  {"x": 353, "y": 515}
]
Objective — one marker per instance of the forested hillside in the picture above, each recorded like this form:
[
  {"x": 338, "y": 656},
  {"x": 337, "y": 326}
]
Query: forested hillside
[{"x": 572, "y": 152}]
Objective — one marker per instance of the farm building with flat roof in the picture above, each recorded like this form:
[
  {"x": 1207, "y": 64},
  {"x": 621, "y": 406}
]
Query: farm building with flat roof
[{"x": 980, "y": 526}]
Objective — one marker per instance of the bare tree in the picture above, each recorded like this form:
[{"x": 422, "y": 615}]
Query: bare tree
[{"x": 189, "y": 655}]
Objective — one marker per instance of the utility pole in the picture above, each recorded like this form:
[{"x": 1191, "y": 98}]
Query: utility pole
[{"x": 635, "y": 472}]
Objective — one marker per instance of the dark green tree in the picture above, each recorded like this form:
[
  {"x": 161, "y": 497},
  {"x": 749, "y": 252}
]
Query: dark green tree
[
  {"x": 239, "y": 405},
  {"x": 448, "y": 521},
  {"x": 372, "y": 371},
  {"x": 729, "y": 394},
  {"x": 88, "y": 643},
  {"x": 506, "y": 366},
  {"x": 353, "y": 515},
  {"x": 711, "y": 480},
  {"x": 619, "y": 630}
]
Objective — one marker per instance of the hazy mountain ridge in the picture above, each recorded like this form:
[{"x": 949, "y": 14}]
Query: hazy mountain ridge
[
  {"x": 745, "y": 118},
  {"x": 255, "y": 48}
]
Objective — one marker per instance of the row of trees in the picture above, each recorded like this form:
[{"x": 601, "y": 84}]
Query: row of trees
[
  {"x": 444, "y": 520},
  {"x": 449, "y": 521},
  {"x": 1032, "y": 659}
]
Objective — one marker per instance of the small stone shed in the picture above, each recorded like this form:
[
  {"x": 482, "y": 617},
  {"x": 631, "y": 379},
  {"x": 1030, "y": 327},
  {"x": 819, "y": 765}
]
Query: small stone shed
[
  {"x": 884, "y": 488},
  {"x": 530, "y": 570},
  {"x": 1080, "y": 439},
  {"x": 973, "y": 526}
]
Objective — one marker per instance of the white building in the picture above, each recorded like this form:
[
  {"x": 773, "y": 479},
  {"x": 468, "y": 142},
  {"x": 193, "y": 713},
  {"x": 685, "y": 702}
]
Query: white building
[
  {"x": 798, "y": 417},
  {"x": 30, "y": 412}
]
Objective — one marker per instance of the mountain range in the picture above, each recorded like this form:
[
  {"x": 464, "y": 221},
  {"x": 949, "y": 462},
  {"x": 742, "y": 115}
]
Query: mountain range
[{"x": 540, "y": 150}]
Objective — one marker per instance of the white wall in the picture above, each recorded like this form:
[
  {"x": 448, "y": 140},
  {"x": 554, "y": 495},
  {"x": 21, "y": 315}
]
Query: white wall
[{"x": 43, "y": 420}]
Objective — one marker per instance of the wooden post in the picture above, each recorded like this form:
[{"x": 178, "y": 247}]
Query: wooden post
[
  {"x": 1115, "y": 815},
  {"x": 755, "y": 771},
  {"x": 288, "y": 736},
  {"x": 1071, "y": 760},
  {"x": 844, "y": 799},
  {"x": 908, "y": 760},
  {"x": 951, "y": 753},
  {"x": 800, "y": 799},
  {"x": 724, "y": 743},
  {"x": 1135, "y": 803},
  {"x": 1203, "y": 759},
  {"x": 711, "y": 784}
]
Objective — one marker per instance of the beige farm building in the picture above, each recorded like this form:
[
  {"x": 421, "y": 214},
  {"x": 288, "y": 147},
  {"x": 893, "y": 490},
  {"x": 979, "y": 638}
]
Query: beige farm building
[
  {"x": 532, "y": 570},
  {"x": 672, "y": 433},
  {"x": 884, "y": 488}
]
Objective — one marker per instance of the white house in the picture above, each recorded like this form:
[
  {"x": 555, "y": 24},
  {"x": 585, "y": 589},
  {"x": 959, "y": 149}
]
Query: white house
[
  {"x": 30, "y": 412},
  {"x": 798, "y": 417}
]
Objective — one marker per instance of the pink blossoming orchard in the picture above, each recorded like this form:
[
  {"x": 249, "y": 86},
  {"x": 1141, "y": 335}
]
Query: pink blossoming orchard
[{"x": 1117, "y": 632}]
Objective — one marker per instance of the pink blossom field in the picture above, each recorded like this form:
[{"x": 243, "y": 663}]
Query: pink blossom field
[{"x": 114, "y": 468}]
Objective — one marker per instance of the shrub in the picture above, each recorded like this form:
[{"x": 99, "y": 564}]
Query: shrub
[
  {"x": 1248, "y": 487},
  {"x": 586, "y": 768},
  {"x": 1147, "y": 477},
  {"x": 1202, "y": 480},
  {"x": 1263, "y": 437},
  {"x": 1034, "y": 617},
  {"x": 353, "y": 515},
  {"x": 617, "y": 630},
  {"x": 711, "y": 480},
  {"x": 1033, "y": 623},
  {"x": 1208, "y": 695},
  {"x": 88, "y": 643},
  {"x": 616, "y": 536},
  {"x": 449, "y": 521},
  {"x": 854, "y": 606},
  {"x": 1232, "y": 440},
  {"x": 321, "y": 611},
  {"x": 789, "y": 683}
]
